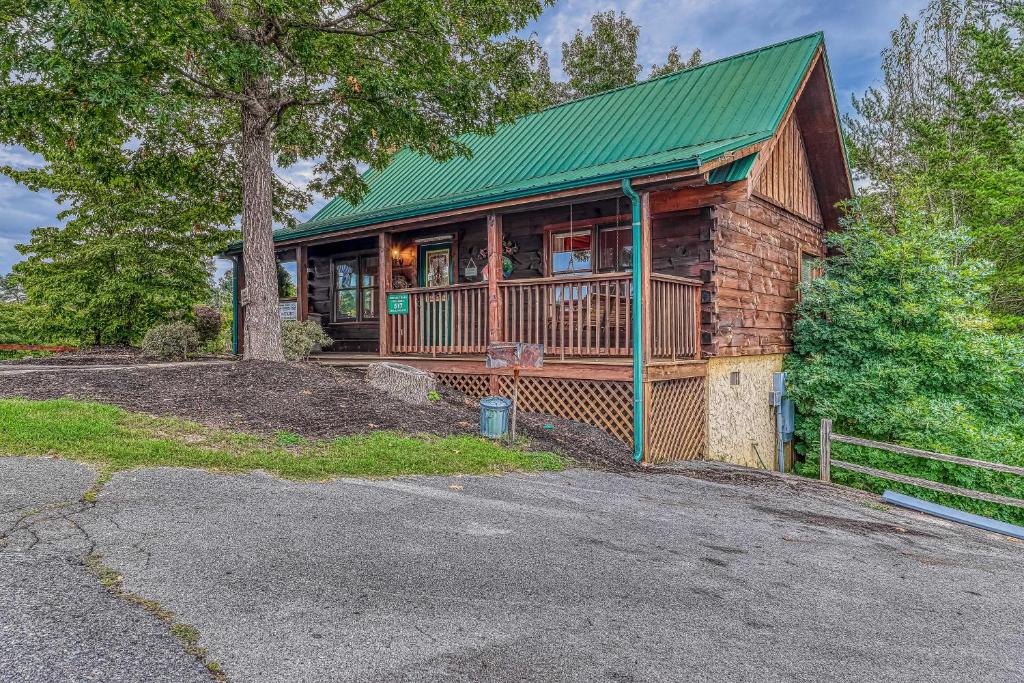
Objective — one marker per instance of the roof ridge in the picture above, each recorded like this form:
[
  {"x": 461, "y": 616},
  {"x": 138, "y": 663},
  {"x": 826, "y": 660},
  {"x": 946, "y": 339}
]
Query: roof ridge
[{"x": 748, "y": 53}]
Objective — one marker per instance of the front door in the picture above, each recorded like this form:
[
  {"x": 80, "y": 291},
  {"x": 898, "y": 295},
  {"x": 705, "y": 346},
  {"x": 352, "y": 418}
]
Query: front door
[{"x": 435, "y": 270}]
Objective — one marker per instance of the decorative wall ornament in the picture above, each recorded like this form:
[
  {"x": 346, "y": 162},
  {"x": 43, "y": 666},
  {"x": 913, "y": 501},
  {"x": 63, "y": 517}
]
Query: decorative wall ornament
[
  {"x": 508, "y": 249},
  {"x": 471, "y": 269}
]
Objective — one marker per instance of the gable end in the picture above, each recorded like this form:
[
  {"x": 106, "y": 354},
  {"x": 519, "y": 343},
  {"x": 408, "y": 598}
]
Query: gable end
[{"x": 785, "y": 179}]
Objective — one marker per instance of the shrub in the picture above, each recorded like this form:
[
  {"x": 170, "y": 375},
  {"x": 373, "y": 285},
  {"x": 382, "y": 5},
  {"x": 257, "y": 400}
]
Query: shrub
[
  {"x": 894, "y": 344},
  {"x": 171, "y": 341},
  {"x": 301, "y": 338},
  {"x": 208, "y": 323}
]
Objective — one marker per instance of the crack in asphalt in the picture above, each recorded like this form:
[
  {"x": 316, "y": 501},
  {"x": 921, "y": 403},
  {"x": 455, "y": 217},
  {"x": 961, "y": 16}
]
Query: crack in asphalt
[{"x": 86, "y": 554}]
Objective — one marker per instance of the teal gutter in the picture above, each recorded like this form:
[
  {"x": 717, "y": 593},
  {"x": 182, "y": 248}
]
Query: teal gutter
[
  {"x": 234, "y": 304},
  {"x": 638, "y": 337}
]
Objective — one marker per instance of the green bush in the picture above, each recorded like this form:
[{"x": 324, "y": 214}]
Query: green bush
[
  {"x": 208, "y": 323},
  {"x": 301, "y": 338},
  {"x": 171, "y": 341},
  {"x": 893, "y": 343}
]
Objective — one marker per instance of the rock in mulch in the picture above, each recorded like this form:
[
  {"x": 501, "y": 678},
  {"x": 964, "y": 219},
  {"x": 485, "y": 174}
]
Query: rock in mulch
[
  {"x": 404, "y": 382},
  {"x": 308, "y": 399}
]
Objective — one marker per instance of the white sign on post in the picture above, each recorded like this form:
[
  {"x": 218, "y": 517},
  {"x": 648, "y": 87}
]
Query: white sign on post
[{"x": 289, "y": 310}]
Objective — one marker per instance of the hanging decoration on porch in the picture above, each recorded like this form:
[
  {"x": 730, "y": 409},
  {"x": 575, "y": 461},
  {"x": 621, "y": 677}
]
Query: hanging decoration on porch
[
  {"x": 508, "y": 250},
  {"x": 470, "y": 270},
  {"x": 399, "y": 281}
]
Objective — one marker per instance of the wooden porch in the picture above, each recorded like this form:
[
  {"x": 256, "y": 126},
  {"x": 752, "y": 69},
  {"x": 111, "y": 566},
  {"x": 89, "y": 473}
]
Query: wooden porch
[
  {"x": 572, "y": 317},
  {"x": 435, "y": 296}
]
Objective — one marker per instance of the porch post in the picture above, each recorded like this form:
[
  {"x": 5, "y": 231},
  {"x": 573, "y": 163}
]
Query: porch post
[
  {"x": 302, "y": 286},
  {"x": 383, "y": 285},
  {"x": 648, "y": 313},
  {"x": 494, "y": 274}
]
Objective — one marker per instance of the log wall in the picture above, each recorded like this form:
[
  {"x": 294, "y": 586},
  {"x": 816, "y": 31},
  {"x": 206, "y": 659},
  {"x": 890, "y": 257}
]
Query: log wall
[{"x": 752, "y": 290}]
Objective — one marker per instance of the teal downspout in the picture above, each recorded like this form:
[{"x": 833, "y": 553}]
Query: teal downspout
[
  {"x": 234, "y": 304},
  {"x": 638, "y": 338}
]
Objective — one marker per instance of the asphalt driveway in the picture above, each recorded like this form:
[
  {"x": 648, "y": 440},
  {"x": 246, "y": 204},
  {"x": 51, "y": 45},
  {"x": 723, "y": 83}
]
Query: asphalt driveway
[{"x": 574, "y": 576}]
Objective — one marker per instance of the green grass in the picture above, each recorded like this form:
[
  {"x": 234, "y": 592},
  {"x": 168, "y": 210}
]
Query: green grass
[{"x": 115, "y": 439}]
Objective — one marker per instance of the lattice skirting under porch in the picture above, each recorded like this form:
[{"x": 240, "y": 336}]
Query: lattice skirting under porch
[
  {"x": 676, "y": 424},
  {"x": 677, "y": 420},
  {"x": 474, "y": 386},
  {"x": 604, "y": 404}
]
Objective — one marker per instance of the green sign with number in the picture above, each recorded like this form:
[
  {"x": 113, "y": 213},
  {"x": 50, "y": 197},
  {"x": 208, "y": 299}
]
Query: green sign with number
[{"x": 398, "y": 304}]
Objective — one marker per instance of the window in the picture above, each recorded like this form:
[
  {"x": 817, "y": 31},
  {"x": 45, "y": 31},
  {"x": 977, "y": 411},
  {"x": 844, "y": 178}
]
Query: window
[
  {"x": 808, "y": 268},
  {"x": 287, "y": 280},
  {"x": 571, "y": 252},
  {"x": 355, "y": 288},
  {"x": 616, "y": 248}
]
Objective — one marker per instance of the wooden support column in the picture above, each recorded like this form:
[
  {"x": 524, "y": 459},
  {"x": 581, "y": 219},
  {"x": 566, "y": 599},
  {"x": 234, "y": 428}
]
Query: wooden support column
[
  {"x": 648, "y": 312},
  {"x": 383, "y": 285},
  {"x": 495, "y": 273},
  {"x": 302, "y": 286}
]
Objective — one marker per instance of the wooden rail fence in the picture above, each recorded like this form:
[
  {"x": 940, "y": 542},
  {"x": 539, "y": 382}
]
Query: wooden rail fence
[{"x": 827, "y": 462}]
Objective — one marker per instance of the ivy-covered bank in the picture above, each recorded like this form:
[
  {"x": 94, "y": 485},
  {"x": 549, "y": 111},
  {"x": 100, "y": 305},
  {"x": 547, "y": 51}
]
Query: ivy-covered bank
[{"x": 894, "y": 343}]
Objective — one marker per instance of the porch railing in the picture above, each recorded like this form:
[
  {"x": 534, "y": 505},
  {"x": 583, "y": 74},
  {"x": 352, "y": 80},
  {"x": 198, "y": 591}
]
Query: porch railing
[
  {"x": 442, "y": 320},
  {"x": 588, "y": 315},
  {"x": 675, "y": 317},
  {"x": 580, "y": 316}
]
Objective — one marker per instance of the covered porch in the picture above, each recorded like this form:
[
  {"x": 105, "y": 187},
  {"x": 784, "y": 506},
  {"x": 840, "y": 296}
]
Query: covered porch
[
  {"x": 434, "y": 294},
  {"x": 558, "y": 276}
]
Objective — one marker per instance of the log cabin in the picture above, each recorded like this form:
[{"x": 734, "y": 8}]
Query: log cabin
[{"x": 652, "y": 238}]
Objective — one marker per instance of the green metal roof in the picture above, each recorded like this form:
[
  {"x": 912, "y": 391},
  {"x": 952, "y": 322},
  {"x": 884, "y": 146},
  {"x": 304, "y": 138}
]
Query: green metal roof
[{"x": 673, "y": 122}]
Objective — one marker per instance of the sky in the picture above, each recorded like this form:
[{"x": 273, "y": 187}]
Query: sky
[{"x": 855, "y": 33}]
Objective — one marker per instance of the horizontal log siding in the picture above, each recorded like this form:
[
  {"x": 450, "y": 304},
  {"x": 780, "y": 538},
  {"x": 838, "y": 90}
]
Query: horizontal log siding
[{"x": 757, "y": 250}]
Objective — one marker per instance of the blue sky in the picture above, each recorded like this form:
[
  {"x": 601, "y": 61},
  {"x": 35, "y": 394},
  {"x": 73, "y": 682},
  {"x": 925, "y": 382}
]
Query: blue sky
[{"x": 855, "y": 33}]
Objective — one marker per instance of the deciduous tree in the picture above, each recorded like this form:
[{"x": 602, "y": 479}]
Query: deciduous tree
[
  {"x": 261, "y": 84},
  {"x": 134, "y": 250},
  {"x": 675, "y": 63},
  {"x": 943, "y": 134},
  {"x": 605, "y": 59}
]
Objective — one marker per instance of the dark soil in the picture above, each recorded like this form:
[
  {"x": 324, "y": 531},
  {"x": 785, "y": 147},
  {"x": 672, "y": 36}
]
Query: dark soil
[{"x": 304, "y": 398}]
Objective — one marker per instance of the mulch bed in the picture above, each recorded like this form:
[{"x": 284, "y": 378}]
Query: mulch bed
[
  {"x": 305, "y": 398},
  {"x": 97, "y": 356}
]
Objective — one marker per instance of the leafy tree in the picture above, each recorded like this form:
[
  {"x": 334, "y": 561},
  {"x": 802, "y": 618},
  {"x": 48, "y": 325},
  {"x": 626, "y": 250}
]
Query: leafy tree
[
  {"x": 544, "y": 90},
  {"x": 259, "y": 84},
  {"x": 605, "y": 59},
  {"x": 675, "y": 63},
  {"x": 893, "y": 343},
  {"x": 133, "y": 250},
  {"x": 944, "y": 133}
]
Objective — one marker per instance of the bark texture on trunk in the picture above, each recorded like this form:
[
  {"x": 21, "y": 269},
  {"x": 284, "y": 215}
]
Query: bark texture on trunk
[{"x": 262, "y": 336}]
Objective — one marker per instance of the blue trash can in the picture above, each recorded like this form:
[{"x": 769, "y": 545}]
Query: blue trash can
[{"x": 494, "y": 416}]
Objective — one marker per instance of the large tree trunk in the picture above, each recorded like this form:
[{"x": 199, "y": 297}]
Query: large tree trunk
[{"x": 262, "y": 318}]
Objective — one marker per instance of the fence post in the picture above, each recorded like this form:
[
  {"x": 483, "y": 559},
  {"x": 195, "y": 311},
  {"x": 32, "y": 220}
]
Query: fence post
[{"x": 825, "y": 461}]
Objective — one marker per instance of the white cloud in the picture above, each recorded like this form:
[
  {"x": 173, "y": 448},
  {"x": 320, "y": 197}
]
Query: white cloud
[{"x": 855, "y": 33}]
